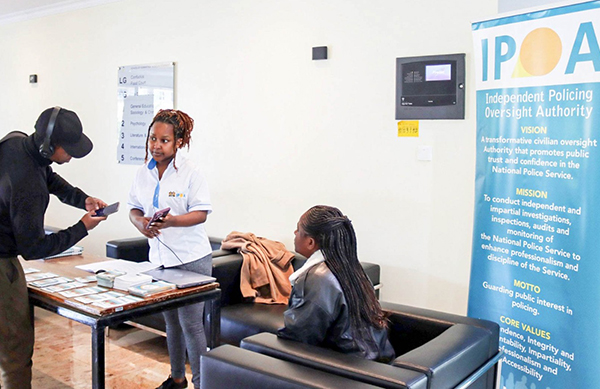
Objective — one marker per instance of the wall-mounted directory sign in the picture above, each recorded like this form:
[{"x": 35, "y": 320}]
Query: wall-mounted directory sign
[{"x": 142, "y": 91}]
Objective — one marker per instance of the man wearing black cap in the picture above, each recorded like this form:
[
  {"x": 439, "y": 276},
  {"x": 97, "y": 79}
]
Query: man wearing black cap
[{"x": 26, "y": 182}]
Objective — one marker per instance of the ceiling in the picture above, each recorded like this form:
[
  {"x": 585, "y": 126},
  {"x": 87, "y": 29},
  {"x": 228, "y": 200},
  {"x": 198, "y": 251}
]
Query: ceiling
[
  {"x": 8, "y": 7},
  {"x": 12, "y": 11}
]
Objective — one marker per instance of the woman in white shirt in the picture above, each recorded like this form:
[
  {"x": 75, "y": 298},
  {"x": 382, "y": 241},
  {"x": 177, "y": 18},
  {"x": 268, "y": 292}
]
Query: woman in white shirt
[{"x": 179, "y": 239}]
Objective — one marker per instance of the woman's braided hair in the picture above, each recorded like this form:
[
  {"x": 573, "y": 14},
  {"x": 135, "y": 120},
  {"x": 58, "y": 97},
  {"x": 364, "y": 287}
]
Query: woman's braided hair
[
  {"x": 335, "y": 236},
  {"x": 182, "y": 124}
]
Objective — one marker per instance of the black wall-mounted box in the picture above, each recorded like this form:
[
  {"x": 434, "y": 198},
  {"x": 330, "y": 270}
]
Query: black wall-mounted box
[
  {"x": 319, "y": 52},
  {"x": 430, "y": 87}
]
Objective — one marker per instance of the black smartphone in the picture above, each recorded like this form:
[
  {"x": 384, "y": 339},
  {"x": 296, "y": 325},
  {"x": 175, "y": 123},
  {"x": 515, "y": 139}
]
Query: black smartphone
[
  {"x": 158, "y": 215},
  {"x": 108, "y": 210}
]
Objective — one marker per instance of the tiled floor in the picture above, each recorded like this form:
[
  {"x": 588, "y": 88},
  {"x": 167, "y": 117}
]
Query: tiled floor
[{"x": 62, "y": 356}]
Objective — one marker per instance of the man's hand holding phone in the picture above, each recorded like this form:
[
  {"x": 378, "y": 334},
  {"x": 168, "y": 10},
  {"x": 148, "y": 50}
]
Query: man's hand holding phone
[
  {"x": 94, "y": 204},
  {"x": 91, "y": 220},
  {"x": 95, "y": 214},
  {"x": 107, "y": 210}
]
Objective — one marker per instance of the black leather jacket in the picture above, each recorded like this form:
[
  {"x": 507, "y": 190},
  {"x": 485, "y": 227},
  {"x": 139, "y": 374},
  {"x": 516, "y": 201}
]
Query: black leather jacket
[{"x": 318, "y": 315}]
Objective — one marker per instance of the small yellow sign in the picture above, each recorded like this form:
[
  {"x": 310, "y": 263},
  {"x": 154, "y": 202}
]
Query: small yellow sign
[{"x": 408, "y": 128}]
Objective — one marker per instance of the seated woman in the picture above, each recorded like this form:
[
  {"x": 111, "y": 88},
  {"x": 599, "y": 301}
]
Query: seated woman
[{"x": 333, "y": 303}]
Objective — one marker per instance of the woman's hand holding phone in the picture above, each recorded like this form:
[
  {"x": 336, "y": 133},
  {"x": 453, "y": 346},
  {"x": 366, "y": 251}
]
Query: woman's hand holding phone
[
  {"x": 150, "y": 227},
  {"x": 158, "y": 218},
  {"x": 141, "y": 222}
]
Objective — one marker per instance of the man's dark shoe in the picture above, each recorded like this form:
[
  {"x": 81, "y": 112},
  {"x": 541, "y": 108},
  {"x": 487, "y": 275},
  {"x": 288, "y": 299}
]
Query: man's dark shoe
[{"x": 171, "y": 384}]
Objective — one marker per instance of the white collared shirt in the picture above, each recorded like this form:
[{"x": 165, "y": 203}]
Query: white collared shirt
[
  {"x": 316, "y": 258},
  {"x": 183, "y": 190}
]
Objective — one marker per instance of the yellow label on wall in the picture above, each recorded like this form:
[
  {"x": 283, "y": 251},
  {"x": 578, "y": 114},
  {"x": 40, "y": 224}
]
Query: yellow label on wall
[{"x": 408, "y": 128}]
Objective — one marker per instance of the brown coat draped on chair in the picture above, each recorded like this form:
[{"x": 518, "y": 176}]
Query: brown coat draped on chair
[{"x": 266, "y": 267}]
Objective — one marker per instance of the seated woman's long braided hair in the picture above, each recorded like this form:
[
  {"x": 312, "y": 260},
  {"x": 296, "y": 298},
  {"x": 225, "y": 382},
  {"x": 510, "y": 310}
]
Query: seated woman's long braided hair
[
  {"x": 182, "y": 124},
  {"x": 335, "y": 236}
]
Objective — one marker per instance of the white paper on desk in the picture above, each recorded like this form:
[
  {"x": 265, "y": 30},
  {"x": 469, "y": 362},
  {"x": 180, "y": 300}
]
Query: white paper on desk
[{"x": 121, "y": 265}]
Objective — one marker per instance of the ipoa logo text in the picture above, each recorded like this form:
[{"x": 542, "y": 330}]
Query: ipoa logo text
[{"x": 540, "y": 53}]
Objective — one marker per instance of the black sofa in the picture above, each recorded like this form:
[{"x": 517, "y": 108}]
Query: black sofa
[
  {"x": 239, "y": 319},
  {"x": 435, "y": 350}
]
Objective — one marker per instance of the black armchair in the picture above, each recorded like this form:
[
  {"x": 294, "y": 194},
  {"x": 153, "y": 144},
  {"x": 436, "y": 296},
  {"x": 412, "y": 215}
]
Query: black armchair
[
  {"x": 445, "y": 350},
  {"x": 231, "y": 367}
]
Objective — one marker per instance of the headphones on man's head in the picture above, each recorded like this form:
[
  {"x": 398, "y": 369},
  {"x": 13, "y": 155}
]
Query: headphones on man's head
[{"x": 46, "y": 148}]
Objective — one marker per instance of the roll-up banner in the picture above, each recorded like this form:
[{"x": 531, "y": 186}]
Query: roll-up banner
[{"x": 536, "y": 239}]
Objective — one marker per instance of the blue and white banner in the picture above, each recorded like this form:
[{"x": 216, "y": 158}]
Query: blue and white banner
[{"x": 536, "y": 238}]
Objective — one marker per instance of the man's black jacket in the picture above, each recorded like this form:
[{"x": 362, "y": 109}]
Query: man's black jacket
[{"x": 26, "y": 181}]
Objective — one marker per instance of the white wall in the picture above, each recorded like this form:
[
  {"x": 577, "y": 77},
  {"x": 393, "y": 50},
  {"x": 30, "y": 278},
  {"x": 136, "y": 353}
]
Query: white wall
[{"x": 275, "y": 131}]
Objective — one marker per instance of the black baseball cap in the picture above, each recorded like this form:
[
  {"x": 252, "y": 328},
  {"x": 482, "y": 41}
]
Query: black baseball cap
[{"x": 67, "y": 132}]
